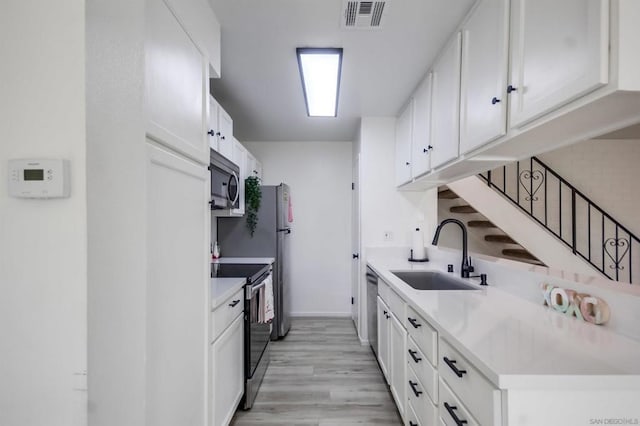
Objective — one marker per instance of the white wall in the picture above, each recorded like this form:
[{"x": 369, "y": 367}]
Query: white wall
[
  {"x": 319, "y": 174},
  {"x": 607, "y": 172},
  {"x": 43, "y": 274}
]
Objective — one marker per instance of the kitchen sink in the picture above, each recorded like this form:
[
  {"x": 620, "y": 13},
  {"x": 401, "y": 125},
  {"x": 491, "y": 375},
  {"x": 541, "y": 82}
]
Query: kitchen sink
[{"x": 431, "y": 280}]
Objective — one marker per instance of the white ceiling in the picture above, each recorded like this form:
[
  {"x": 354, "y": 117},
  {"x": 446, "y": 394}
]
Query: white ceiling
[{"x": 260, "y": 86}]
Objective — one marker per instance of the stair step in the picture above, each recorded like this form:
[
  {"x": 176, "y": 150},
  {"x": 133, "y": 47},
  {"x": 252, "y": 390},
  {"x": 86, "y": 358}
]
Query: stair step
[
  {"x": 500, "y": 239},
  {"x": 480, "y": 224},
  {"x": 447, "y": 194},
  {"x": 462, "y": 209},
  {"x": 519, "y": 253}
]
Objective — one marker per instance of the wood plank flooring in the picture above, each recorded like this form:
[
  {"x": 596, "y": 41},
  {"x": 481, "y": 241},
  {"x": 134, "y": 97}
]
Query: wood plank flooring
[{"x": 321, "y": 375}]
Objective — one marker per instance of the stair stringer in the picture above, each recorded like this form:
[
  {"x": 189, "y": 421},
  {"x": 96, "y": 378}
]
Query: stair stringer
[{"x": 529, "y": 234}]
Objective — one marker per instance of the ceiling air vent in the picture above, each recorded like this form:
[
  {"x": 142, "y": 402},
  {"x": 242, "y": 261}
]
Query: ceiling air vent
[{"x": 363, "y": 14}]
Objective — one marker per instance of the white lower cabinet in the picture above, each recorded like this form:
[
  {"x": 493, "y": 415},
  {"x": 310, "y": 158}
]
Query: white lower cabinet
[
  {"x": 422, "y": 406},
  {"x": 398, "y": 364},
  {"x": 227, "y": 369},
  {"x": 383, "y": 338},
  {"x": 452, "y": 411}
]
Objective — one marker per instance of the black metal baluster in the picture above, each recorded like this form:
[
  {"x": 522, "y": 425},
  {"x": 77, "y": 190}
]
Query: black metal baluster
[
  {"x": 545, "y": 196},
  {"x": 489, "y": 178},
  {"x": 603, "y": 258},
  {"x": 560, "y": 206},
  {"x": 573, "y": 220},
  {"x": 616, "y": 263},
  {"x": 518, "y": 183},
  {"x": 630, "y": 257},
  {"x": 589, "y": 225},
  {"x": 531, "y": 185},
  {"x": 504, "y": 180}
]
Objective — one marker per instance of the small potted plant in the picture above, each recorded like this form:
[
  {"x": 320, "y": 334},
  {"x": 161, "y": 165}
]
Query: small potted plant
[{"x": 252, "y": 196}]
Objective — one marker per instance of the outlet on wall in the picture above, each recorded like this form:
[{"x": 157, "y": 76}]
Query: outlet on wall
[{"x": 388, "y": 236}]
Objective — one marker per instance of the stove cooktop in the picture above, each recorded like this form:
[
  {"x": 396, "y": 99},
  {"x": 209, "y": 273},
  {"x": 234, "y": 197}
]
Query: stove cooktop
[{"x": 237, "y": 270}]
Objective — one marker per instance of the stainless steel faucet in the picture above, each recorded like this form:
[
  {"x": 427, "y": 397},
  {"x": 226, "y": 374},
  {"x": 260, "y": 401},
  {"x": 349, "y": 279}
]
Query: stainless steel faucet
[{"x": 465, "y": 268}]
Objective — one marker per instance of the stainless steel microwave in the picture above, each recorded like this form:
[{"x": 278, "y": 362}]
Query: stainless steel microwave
[{"x": 224, "y": 182}]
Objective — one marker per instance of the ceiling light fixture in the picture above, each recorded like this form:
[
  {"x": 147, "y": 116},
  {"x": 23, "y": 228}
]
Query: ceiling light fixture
[{"x": 320, "y": 70}]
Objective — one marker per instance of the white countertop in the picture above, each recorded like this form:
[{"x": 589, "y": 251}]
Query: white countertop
[
  {"x": 224, "y": 288},
  {"x": 259, "y": 260},
  {"x": 516, "y": 343}
]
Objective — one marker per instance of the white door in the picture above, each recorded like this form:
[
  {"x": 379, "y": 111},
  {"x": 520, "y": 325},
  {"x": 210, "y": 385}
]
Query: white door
[
  {"x": 445, "y": 116},
  {"x": 421, "y": 134},
  {"x": 403, "y": 144},
  {"x": 176, "y": 84},
  {"x": 483, "y": 94},
  {"x": 177, "y": 289},
  {"x": 355, "y": 242},
  {"x": 383, "y": 337},
  {"x": 398, "y": 362},
  {"x": 559, "y": 52},
  {"x": 227, "y": 372}
]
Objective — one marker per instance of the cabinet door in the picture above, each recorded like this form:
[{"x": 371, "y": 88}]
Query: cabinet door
[
  {"x": 177, "y": 312},
  {"x": 240, "y": 158},
  {"x": 383, "y": 337},
  {"x": 227, "y": 373},
  {"x": 483, "y": 106},
  {"x": 398, "y": 362},
  {"x": 176, "y": 84},
  {"x": 213, "y": 128},
  {"x": 559, "y": 52},
  {"x": 225, "y": 138},
  {"x": 445, "y": 105},
  {"x": 421, "y": 141},
  {"x": 403, "y": 144}
]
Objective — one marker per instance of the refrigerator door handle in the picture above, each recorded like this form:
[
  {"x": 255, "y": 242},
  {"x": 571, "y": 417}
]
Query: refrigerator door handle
[{"x": 287, "y": 230}]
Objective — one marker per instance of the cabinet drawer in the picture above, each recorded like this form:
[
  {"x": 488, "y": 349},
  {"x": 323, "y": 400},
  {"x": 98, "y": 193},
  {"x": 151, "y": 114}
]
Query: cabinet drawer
[
  {"x": 476, "y": 392},
  {"x": 452, "y": 412},
  {"x": 423, "y": 334},
  {"x": 224, "y": 314},
  {"x": 411, "y": 418},
  {"x": 425, "y": 411},
  {"x": 426, "y": 373},
  {"x": 397, "y": 306}
]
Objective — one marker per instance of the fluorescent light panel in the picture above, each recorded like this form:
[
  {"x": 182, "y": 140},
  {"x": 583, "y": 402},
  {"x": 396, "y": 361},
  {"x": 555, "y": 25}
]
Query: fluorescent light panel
[{"x": 320, "y": 70}]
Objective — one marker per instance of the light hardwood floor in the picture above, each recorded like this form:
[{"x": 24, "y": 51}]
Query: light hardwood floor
[{"x": 321, "y": 375}]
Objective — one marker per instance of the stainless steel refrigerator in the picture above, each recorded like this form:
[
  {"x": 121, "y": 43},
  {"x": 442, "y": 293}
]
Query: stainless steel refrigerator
[{"x": 270, "y": 239}]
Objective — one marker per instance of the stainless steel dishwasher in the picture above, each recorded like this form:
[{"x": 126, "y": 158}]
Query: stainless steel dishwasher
[{"x": 372, "y": 309}]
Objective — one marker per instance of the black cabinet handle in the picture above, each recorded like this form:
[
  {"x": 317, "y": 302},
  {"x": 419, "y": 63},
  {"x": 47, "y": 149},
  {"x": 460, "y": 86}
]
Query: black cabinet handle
[
  {"x": 413, "y": 424},
  {"x": 223, "y": 138},
  {"x": 388, "y": 316},
  {"x": 494, "y": 100},
  {"x": 451, "y": 409},
  {"x": 218, "y": 133},
  {"x": 414, "y": 388},
  {"x": 211, "y": 132},
  {"x": 384, "y": 312},
  {"x": 452, "y": 365},
  {"x": 355, "y": 255},
  {"x": 234, "y": 303},
  {"x": 510, "y": 89},
  {"x": 406, "y": 163},
  {"x": 413, "y": 354},
  {"x": 414, "y": 323}
]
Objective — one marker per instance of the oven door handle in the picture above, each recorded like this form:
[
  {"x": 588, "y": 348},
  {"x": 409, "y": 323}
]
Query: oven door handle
[{"x": 255, "y": 288}]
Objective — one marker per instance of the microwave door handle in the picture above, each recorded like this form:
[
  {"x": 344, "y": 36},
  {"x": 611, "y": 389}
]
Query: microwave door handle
[{"x": 233, "y": 176}]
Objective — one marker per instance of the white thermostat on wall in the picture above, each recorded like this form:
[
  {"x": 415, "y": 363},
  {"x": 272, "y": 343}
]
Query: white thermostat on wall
[{"x": 39, "y": 178}]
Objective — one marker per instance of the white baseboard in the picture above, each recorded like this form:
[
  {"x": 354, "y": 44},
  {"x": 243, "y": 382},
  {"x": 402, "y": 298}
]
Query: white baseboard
[{"x": 320, "y": 314}]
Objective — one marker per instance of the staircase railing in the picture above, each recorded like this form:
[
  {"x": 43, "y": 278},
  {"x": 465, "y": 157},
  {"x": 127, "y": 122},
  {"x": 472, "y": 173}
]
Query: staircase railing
[{"x": 590, "y": 232}]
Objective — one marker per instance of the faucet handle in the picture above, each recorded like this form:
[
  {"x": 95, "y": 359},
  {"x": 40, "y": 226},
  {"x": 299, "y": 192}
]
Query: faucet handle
[{"x": 471, "y": 268}]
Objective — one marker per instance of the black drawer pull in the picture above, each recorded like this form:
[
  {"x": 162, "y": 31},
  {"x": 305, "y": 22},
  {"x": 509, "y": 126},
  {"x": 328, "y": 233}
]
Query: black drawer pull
[
  {"x": 414, "y": 388},
  {"x": 417, "y": 359},
  {"x": 413, "y": 424},
  {"x": 451, "y": 363},
  {"x": 234, "y": 303},
  {"x": 414, "y": 323},
  {"x": 451, "y": 409}
]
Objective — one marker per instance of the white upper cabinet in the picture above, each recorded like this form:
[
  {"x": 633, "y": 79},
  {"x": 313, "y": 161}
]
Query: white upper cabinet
[
  {"x": 445, "y": 117},
  {"x": 483, "y": 95},
  {"x": 559, "y": 52},
  {"x": 176, "y": 82},
  {"x": 225, "y": 133},
  {"x": 213, "y": 126},
  {"x": 404, "y": 125},
  {"x": 421, "y": 141}
]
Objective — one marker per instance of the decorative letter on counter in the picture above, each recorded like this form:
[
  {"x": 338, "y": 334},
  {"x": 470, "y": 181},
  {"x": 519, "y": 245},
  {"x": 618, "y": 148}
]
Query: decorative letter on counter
[{"x": 572, "y": 303}]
